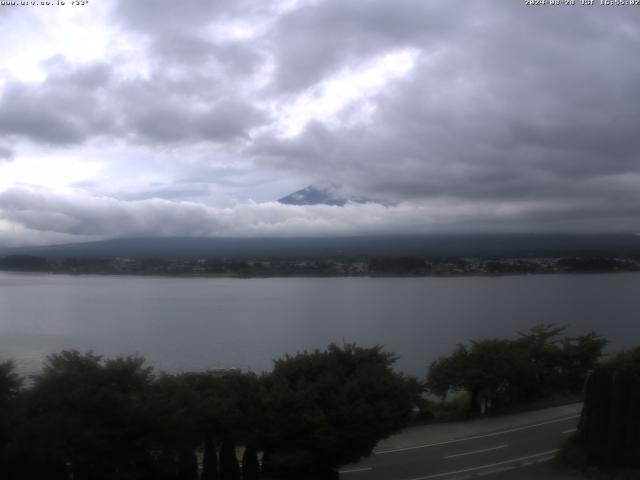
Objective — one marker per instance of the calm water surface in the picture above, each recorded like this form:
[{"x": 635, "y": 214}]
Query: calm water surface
[{"x": 197, "y": 323}]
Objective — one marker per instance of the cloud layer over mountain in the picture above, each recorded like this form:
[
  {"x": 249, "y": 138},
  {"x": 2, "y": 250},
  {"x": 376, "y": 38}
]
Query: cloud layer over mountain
[{"x": 191, "y": 118}]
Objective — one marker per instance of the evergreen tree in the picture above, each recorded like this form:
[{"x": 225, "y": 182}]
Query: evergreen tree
[
  {"x": 330, "y": 408},
  {"x": 10, "y": 384},
  {"x": 166, "y": 466},
  {"x": 187, "y": 464},
  {"x": 609, "y": 428},
  {"x": 500, "y": 372},
  {"x": 229, "y": 468},
  {"x": 91, "y": 414},
  {"x": 250, "y": 464},
  {"x": 210, "y": 459}
]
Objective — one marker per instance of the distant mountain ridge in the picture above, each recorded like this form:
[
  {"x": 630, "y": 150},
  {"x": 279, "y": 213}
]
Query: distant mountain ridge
[{"x": 499, "y": 246}]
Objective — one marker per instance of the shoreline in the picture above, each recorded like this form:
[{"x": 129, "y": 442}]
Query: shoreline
[{"x": 318, "y": 275}]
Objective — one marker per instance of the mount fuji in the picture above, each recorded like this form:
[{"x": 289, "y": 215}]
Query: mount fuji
[{"x": 322, "y": 195}]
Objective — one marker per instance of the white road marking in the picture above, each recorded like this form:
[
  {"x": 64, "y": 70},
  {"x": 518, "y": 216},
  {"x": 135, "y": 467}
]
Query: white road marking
[
  {"x": 482, "y": 467},
  {"x": 571, "y": 430},
  {"x": 476, "y": 451},
  {"x": 355, "y": 470},
  {"x": 517, "y": 429},
  {"x": 496, "y": 470}
]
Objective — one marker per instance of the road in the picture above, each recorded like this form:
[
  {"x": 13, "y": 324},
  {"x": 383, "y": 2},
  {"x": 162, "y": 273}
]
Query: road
[{"x": 469, "y": 457}]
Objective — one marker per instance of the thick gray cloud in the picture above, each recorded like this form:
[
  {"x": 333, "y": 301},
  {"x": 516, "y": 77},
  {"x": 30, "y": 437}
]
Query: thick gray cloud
[
  {"x": 170, "y": 121},
  {"x": 65, "y": 109},
  {"x": 506, "y": 104},
  {"x": 315, "y": 41},
  {"x": 75, "y": 104},
  {"x": 180, "y": 34},
  {"x": 99, "y": 217},
  {"x": 152, "y": 16},
  {"x": 230, "y": 59},
  {"x": 190, "y": 92}
]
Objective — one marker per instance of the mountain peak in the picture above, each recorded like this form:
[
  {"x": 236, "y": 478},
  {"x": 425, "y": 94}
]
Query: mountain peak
[
  {"x": 315, "y": 195},
  {"x": 326, "y": 194}
]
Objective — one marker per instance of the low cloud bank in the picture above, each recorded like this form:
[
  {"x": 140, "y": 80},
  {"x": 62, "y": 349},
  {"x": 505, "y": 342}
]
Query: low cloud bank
[{"x": 42, "y": 216}]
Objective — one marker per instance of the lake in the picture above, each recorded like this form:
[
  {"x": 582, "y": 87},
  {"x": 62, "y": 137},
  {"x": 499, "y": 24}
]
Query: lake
[{"x": 183, "y": 324}]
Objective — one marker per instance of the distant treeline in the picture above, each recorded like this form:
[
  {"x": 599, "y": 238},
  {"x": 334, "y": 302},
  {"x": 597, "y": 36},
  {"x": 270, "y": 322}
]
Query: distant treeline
[
  {"x": 266, "y": 267},
  {"x": 89, "y": 418},
  {"x": 26, "y": 263},
  {"x": 375, "y": 246}
]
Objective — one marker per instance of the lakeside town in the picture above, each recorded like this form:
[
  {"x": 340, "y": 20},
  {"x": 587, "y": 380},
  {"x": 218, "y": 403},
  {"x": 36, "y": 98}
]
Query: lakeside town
[{"x": 269, "y": 267}]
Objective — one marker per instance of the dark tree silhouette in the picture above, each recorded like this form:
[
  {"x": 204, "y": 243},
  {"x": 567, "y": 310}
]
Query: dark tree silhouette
[
  {"x": 229, "y": 467},
  {"x": 250, "y": 464},
  {"x": 609, "y": 428},
  {"x": 500, "y": 372},
  {"x": 329, "y": 408},
  {"x": 187, "y": 464},
  {"x": 91, "y": 416},
  {"x": 10, "y": 383},
  {"x": 209, "y": 459}
]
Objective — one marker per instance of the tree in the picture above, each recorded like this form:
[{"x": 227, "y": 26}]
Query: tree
[
  {"x": 500, "y": 372},
  {"x": 229, "y": 467},
  {"x": 250, "y": 465},
  {"x": 541, "y": 361},
  {"x": 609, "y": 428},
  {"x": 490, "y": 372},
  {"x": 231, "y": 410},
  {"x": 26, "y": 263},
  {"x": 580, "y": 356},
  {"x": 209, "y": 459},
  {"x": 175, "y": 406},
  {"x": 485, "y": 370},
  {"x": 187, "y": 463},
  {"x": 329, "y": 408},
  {"x": 91, "y": 415},
  {"x": 86, "y": 417},
  {"x": 10, "y": 383},
  {"x": 446, "y": 373}
]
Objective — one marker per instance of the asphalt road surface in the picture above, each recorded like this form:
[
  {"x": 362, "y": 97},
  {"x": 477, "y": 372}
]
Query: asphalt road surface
[{"x": 466, "y": 458}]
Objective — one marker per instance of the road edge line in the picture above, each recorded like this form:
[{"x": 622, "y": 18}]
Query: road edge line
[
  {"x": 482, "y": 467},
  {"x": 474, "y": 437}
]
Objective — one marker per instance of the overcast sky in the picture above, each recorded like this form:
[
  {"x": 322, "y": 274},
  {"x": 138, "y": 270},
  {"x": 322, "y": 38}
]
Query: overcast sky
[{"x": 192, "y": 117}]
